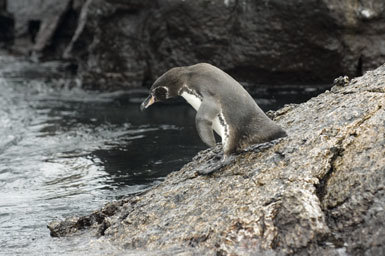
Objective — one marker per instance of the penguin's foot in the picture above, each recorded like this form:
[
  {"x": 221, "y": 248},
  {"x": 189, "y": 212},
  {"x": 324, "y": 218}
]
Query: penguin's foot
[
  {"x": 214, "y": 165},
  {"x": 262, "y": 146}
]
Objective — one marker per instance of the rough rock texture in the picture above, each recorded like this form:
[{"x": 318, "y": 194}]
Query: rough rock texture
[
  {"x": 319, "y": 191},
  {"x": 130, "y": 43}
]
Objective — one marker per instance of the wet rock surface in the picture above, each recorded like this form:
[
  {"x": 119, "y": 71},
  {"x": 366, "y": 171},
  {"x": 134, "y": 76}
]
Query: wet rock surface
[
  {"x": 319, "y": 191},
  {"x": 129, "y": 43}
]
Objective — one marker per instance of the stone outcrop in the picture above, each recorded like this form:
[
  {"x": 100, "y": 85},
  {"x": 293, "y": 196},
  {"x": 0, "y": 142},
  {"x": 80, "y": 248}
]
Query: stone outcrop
[
  {"x": 129, "y": 43},
  {"x": 319, "y": 191}
]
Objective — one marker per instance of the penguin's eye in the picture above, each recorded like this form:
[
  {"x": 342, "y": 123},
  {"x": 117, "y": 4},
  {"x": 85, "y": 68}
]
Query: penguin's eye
[{"x": 160, "y": 93}]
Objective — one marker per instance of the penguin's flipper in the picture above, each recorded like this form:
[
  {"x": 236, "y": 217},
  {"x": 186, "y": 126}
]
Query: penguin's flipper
[{"x": 207, "y": 112}]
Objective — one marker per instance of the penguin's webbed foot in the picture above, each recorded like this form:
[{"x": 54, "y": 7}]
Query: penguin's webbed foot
[
  {"x": 215, "y": 165},
  {"x": 261, "y": 146}
]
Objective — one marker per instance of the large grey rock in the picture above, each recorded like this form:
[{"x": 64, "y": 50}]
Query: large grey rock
[{"x": 319, "y": 191}]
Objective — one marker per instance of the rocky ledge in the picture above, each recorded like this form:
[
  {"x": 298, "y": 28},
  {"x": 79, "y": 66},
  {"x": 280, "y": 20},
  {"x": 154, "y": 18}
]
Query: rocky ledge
[{"x": 319, "y": 191}]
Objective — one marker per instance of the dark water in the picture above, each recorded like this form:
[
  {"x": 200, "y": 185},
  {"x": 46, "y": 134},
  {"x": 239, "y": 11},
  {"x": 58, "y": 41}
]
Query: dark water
[{"x": 65, "y": 151}]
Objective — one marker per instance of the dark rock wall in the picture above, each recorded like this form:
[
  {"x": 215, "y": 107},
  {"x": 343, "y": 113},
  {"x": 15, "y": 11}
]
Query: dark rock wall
[
  {"x": 6, "y": 25},
  {"x": 130, "y": 43}
]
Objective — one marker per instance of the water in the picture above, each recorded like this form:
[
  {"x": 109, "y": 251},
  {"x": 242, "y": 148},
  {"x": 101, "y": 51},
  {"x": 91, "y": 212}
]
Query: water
[{"x": 65, "y": 151}]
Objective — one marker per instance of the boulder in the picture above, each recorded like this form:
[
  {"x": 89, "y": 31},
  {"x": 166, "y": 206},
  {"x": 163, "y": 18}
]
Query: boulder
[{"x": 319, "y": 191}]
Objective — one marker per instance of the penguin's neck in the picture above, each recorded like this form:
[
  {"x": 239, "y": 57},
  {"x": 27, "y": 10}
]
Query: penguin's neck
[{"x": 192, "y": 99}]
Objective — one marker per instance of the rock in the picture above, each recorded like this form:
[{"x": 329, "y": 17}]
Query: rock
[
  {"x": 341, "y": 81},
  {"x": 6, "y": 26},
  {"x": 110, "y": 44},
  {"x": 96, "y": 219},
  {"x": 129, "y": 43},
  {"x": 42, "y": 24},
  {"x": 319, "y": 191}
]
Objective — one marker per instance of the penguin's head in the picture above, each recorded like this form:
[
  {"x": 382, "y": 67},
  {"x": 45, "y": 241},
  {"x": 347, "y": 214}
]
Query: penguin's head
[
  {"x": 158, "y": 94},
  {"x": 165, "y": 87}
]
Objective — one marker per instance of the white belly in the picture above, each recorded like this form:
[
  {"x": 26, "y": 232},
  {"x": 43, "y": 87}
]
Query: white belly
[
  {"x": 196, "y": 102},
  {"x": 193, "y": 100}
]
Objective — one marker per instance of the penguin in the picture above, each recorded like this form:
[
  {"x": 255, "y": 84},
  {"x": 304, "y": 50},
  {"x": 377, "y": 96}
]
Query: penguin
[{"x": 222, "y": 105}]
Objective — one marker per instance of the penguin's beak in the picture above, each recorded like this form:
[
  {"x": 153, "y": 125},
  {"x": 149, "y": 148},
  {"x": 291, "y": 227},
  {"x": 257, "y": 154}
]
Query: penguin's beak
[{"x": 147, "y": 102}]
